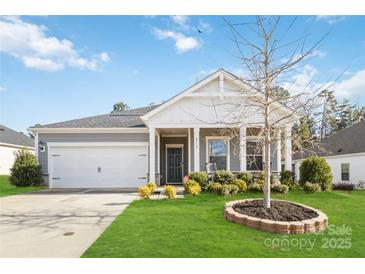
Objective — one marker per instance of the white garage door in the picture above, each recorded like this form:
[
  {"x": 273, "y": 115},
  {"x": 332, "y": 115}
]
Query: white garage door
[{"x": 98, "y": 166}]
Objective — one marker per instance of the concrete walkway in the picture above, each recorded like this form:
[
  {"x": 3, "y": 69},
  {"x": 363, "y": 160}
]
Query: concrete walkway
[{"x": 56, "y": 224}]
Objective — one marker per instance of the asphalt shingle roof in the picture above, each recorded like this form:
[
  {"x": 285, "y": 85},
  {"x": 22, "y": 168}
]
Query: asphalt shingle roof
[
  {"x": 348, "y": 140},
  {"x": 127, "y": 118},
  {"x": 13, "y": 137}
]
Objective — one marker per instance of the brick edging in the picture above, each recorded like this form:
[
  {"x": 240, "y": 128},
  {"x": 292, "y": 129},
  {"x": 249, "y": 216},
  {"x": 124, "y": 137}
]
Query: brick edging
[{"x": 295, "y": 227}]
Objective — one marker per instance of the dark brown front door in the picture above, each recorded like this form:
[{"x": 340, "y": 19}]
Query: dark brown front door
[{"x": 174, "y": 165}]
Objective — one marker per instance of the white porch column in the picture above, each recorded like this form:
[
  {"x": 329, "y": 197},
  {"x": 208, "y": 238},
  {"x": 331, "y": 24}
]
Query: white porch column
[
  {"x": 196, "y": 149},
  {"x": 288, "y": 151},
  {"x": 189, "y": 151},
  {"x": 152, "y": 166},
  {"x": 243, "y": 139},
  {"x": 278, "y": 149}
]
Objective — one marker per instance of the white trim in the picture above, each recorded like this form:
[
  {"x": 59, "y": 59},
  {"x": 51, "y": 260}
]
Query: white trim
[
  {"x": 90, "y": 130},
  {"x": 158, "y": 151},
  {"x": 16, "y": 146},
  {"x": 182, "y": 159},
  {"x": 36, "y": 146},
  {"x": 196, "y": 149},
  {"x": 96, "y": 144},
  {"x": 216, "y": 94},
  {"x": 189, "y": 150},
  {"x": 243, "y": 148},
  {"x": 333, "y": 156},
  {"x": 152, "y": 156},
  {"x": 225, "y": 138},
  {"x": 173, "y": 135},
  {"x": 50, "y": 170}
]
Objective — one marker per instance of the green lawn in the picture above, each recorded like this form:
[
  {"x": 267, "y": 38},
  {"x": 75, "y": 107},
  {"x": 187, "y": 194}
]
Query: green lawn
[
  {"x": 195, "y": 227},
  {"x": 7, "y": 189}
]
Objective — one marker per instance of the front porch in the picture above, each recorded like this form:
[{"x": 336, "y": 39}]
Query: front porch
[{"x": 174, "y": 152}]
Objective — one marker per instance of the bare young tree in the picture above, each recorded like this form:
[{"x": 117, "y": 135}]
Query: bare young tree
[{"x": 268, "y": 61}]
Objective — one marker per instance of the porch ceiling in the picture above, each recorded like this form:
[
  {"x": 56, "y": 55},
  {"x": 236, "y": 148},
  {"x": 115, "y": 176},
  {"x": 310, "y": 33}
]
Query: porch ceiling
[{"x": 173, "y": 131}]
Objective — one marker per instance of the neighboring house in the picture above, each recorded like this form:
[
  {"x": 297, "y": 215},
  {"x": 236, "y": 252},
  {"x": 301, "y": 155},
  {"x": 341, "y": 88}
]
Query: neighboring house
[
  {"x": 10, "y": 142},
  {"x": 344, "y": 152},
  {"x": 158, "y": 143}
]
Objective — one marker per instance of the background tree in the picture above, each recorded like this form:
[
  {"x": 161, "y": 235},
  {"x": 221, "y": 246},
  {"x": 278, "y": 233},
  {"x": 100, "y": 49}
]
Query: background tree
[{"x": 120, "y": 106}]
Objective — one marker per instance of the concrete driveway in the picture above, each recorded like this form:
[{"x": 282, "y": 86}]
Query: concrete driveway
[{"x": 56, "y": 223}]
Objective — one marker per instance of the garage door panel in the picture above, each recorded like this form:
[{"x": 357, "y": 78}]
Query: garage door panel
[{"x": 101, "y": 167}]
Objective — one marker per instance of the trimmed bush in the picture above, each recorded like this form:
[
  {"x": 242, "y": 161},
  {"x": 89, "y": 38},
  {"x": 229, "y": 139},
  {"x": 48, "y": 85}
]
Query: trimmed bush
[
  {"x": 194, "y": 190},
  {"x": 223, "y": 176},
  {"x": 170, "y": 191},
  {"x": 229, "y": 189},
  {"x": 246, "y": 176},
  {"x": 26, "y": 170},
  {"x": 261, "y": 176},
  {"x": 189, "y": 184},
  {"x": 256, "y": 187},
  {"x": 152, "y": 186},
  {"x": 311, "y": 188},
  {"x": 241, "y": 184},
  {"x": 287, "y": 177},
  {"x": 200, "y": 177},
  {"x": 215, "y": 188},
  {"x": 316, "y": 170},
  {"x": 144, "y": 192},
  {"x": 279, "y": 188}
]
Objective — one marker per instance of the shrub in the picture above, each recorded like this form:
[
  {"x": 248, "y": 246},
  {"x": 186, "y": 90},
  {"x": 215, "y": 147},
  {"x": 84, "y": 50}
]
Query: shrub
[
  {"x": 279, "y": 188},
  {"x": 246, "y": 176},
  {"x": 194, "y": 189},
  {"x": 152, "y": 186},
  {"x": 287, "y": 178},
  {"x": 223, "y": 176},
  {"x": 241, "y": 184},
  {"x": 188, "y": 184},
  {"x": 200, "y": 177},
  {"x": 256, "y": 187},
  {"x": 343, "y": 186},
  {"x": 26, "y": 170},
  {"x": 316, "y": 169},
  {"x": 311, "y": 188},
  {"x": 144, "y": 192},
  {"x": 261, "y": 176},
  {"x": 229, "y": 189},
  {"x": 215, "y": 188},
  {"x": 170, "y": 191}
]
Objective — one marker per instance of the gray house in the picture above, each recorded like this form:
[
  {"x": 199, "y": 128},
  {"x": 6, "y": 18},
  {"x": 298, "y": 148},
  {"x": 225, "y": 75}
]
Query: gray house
[{"x": 161, "y": 143}]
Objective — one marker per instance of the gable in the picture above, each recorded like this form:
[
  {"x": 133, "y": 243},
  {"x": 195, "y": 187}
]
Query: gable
[{"x": 217, "y": 99}]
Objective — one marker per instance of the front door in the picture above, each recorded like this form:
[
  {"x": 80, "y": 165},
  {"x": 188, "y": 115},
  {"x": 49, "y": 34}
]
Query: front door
[{"x": 174, "y": 165}]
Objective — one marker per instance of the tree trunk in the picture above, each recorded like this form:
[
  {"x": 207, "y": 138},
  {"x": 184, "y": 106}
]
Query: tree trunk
[{"x": 267, "y": 198}]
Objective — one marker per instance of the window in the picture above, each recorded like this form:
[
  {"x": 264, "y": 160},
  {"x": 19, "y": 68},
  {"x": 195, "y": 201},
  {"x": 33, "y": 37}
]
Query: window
[
  {"x": 254, "y": 155},
  {"x": 345, "y": 172},
  {"x": 218, "y": 152}
]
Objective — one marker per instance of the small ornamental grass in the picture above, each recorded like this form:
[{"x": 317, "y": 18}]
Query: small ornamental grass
[
  {"x": 144, "y": 192},
  {"x": 170, "y": 191}
]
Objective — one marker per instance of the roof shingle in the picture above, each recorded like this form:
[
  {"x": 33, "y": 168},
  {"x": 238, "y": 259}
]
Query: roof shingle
[{"x": 9, "y": 136}]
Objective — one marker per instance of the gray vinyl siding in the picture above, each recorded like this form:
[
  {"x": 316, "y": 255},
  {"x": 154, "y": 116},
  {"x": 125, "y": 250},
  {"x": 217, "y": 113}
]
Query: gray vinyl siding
[
  {"x": 85, "y": 137},
  {"x": 172, "y": 140}
]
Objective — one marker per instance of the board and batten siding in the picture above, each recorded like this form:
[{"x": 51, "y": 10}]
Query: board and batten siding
[{"x": 84, "y": 137}]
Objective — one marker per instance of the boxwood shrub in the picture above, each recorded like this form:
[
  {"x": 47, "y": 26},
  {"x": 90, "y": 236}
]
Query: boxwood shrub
[
  {"x": 200, "y": 177},
  {"x": 215, "y": 188},
  {"x": 316, "y": 170},
  {"x": 241, "y": 184},
  {"x": 229, "y": 189},
  {"x": 223, "y": 176}
]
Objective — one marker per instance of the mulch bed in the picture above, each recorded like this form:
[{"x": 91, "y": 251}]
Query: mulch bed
[{"x": 279, "y": 211}]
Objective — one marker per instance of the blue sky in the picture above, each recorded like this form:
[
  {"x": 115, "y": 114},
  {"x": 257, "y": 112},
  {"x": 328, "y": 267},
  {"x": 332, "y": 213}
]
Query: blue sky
[{"x": 55, "y": 68}]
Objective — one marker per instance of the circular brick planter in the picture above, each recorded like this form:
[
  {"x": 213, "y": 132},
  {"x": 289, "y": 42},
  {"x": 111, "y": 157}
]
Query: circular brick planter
[{"x": 298, "y": 227}]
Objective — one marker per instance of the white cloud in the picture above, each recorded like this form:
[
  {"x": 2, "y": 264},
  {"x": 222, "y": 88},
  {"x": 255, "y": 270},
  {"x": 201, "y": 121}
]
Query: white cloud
[
  {"x": 302, "y": 81},
  {"x": 354, "y": 86},
  {"x": 330, "y": 19},
  {"x": 182, "y": 43},
  {"x": 181, "y": 20},
  {"x": 30, "y": 43}
]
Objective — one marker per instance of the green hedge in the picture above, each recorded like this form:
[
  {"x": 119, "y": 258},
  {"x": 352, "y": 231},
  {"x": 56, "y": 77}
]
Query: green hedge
[{"x": 316, "y": 171}]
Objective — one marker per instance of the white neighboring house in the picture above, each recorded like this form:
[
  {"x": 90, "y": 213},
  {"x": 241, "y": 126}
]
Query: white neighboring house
[
  {"x": 345, "y": 153},
  {"x": 10, "y": 142}
]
